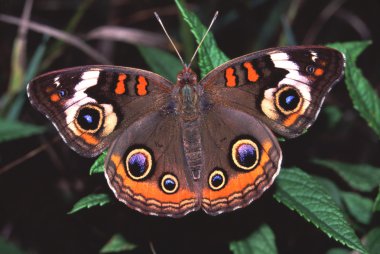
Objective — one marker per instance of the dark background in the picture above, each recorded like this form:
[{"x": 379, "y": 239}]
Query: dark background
[{"x": 36, "y": 194}]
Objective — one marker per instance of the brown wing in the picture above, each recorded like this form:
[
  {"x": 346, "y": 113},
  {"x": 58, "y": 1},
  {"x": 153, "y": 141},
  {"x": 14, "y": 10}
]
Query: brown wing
[
  {"x": 90, "y": 105},
  {"x": 242, "y": 159},
  {"x": 146, "y": 168},
  {"x": 283, "y": 87}
]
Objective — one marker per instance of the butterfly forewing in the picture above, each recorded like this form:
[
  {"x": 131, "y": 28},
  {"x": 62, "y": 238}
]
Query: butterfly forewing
[
  {"x": 90, "y": 105},
  {"x": 283, "y": 87}
]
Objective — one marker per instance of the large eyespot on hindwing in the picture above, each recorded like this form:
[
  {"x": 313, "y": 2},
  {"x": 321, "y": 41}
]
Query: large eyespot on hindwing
[
  {"x": 217, "y": 179},
  {"x": 169, "y": 183},
  {"x": 139, "y": 162},
  {"x": 244, "y": 153},
  {"x": 89, "y": 118},
  {"x": 288, "y": 100}
]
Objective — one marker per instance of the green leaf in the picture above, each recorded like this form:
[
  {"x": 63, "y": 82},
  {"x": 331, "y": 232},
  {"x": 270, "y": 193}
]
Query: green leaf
[
  {"x": 376, "y": 204},
  {"x": 262, "y": 241},
  {"x": 361, "y": 177},
  {"x": 161, "y": 62},
  {"x": 300, "y": 192},
  {"x": 10, "y": 130},
  {"x": 358, "y": 206},
  {"x": 117, "y": 244},
  {"x": 98, "y": 166},
  {"x": 372, "y": 241},
  {"x": 90, "y": 201},
  {"x": 331, "y": 189},
  {"x": 210, "y": 56},
  {"x": 9, "y": 248},
  {"x": 363, "y": 95},
  {"x": 338, "y": 251}
]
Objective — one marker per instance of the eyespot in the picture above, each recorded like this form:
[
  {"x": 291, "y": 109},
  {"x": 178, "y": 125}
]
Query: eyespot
[
  {"x": 169, "y": 184},
  {"x": 62, "y": 93},
  {"x": 310, "y": 69},
  {"x": 288, "y": 100},
  {"x": 139, "y": 163},
  {"x": 245, "y": 154},
  {"x": 89, "y": 118},
  {"x": 217, "y": 179}
]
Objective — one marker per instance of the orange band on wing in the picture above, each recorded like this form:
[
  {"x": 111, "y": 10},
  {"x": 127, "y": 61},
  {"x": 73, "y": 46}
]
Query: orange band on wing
[
  {"x": 148, "y": 189},
  {"x": 141, "y": 86},
  {"x": 89, "y": 139},
  {"x": 251, "y": 72},
  {"x": 290, "y": 119},
  {"x": 230, "y": 77},
  {"x": 241, "y": 181},
  {"x": 120, "y": 86}
]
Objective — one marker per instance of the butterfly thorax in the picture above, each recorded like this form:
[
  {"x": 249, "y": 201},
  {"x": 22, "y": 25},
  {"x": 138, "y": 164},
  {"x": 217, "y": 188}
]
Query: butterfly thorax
[{"x": 188, "y": 94}]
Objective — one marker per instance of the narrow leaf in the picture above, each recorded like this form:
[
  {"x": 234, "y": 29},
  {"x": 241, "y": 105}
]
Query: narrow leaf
[
  {"x": 358, "y": 206},
  {"x": 161, "y": 62},
  {"x": 10, "y": 130},
  {"x": 333, "y": 114},
  {"x": 210, "y": 56},
  {"x": 98, "y": 166},
  {"x": 90, "y": 201},
  {"x": 117, "y": 244},
  {"x": 300, "y": 192},
  {"x": 361, "y": 177},
  {"x": 372, "y": 241},
  {"x": 363, "y": 95},
  {"x": 262, "y": 241}
]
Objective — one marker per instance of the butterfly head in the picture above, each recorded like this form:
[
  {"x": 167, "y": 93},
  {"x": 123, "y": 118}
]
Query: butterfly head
[{"x": 187, "y": 77}]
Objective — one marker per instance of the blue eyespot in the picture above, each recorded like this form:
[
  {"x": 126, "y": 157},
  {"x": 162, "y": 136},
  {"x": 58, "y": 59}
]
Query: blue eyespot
[
  {"x": 62, "y": 93},
  {"x": 217, "y": 179},
  {"x": 289, "y": 99},
  {"x": 88, "y": 118},
  {"x": 169, "y": 184},
  {"x": 246, "y": 155},
  {"x": 138, "y": 164}
]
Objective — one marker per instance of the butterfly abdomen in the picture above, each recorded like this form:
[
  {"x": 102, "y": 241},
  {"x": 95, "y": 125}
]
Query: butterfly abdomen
[{"x": 192, "y": 145}]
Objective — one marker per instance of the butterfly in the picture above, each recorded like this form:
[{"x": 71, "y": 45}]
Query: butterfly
[{"x": 178, "y": 148}]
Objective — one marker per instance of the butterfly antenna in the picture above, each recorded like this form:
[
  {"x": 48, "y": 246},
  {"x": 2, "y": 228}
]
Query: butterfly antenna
[
  {"x": 163, "y": 27},
  {"x": 204, "y": 36}
]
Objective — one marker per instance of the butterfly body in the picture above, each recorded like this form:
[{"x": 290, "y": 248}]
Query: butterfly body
[{"x": 208, "y": 144}]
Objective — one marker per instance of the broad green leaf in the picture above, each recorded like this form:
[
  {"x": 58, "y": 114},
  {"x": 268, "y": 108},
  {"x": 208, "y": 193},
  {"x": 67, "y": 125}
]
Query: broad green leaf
[
  {"x": 117, "y": 244},
  {"x": 338, "y": 251},
  {"x": 300, "y": 192},
  {"x": 363, "y": 95},
  {"x": 10, "y": 130},
  {"x": 9, "y": 248},
  {"x": 210, "y": 56},
  {"x": 361, "y": 177},
  {"x": 98, "y": 166},
  {"x": 372, "y": 241},
  {"x": 262, "y": 241},
  {"x": 161, "y": 62},
  {"x": 90, "y": 201},
  {"x": 376, "y": 204},
  {"x": 358, "y": 206},
  {"x": 331, "y": 188}
]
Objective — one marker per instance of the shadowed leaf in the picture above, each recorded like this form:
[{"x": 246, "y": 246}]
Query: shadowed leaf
[
  {"x": 117, "y": 244},
  {"x": 358, "y": 206},
  {"x": 10, "y": 130},
  {"x": 361, "y": 177},
  {"x": 9, "y": 248},
  {"x": 90, "y": 201},
  {"x": 262, "y": 241},
  {"x": 300, "y": 192},
  {"x": 372, "y": 241}
]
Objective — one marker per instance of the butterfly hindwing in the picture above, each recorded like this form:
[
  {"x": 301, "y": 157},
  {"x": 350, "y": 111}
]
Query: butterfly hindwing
[
  {"x": 283, "y": 87},
  {"x": 242, "y": 159},
  {"x": 90, "y": 105},
  {"x": 146, "y": 168}
]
